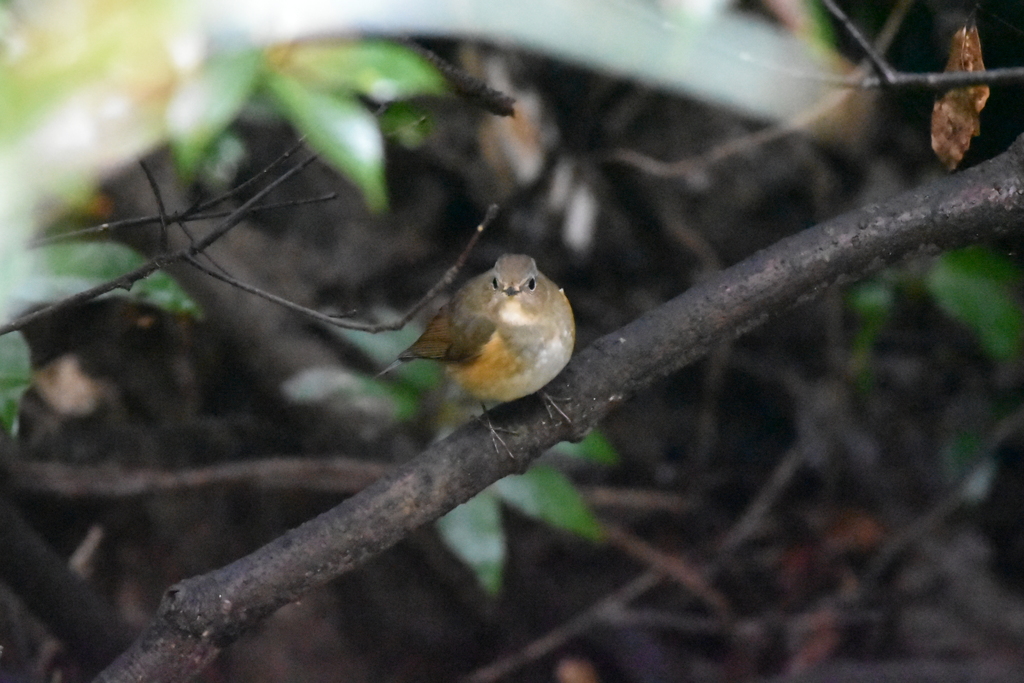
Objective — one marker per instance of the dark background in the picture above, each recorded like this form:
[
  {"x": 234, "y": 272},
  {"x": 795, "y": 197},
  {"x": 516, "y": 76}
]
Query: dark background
[{"x": 839, "y": 569}]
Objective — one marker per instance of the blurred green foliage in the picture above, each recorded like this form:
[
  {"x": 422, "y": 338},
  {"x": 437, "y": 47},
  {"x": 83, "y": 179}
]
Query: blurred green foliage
[
  {"x": 975, "y": 285},
  {"x": 474, "y": 532},
  {"x": 15, "y": 376},
  {"x": 61, "y": 270}
]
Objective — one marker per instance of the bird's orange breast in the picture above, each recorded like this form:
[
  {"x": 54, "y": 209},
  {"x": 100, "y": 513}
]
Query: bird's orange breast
[{"x": 494, "y": 374}]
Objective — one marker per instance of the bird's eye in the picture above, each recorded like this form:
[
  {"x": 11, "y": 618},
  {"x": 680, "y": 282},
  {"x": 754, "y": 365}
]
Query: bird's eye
[
  {"x": 532, "y": 283},
  {"x": 494, "y": 283}
]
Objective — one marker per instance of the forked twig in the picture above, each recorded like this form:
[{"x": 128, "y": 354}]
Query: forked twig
[
  {"x": 128, "y": 279},
  {"x": 187, "y": 216},
  {"x": 339, "y": 320},
  {"x": 743, "y": 143},
  {"x": 887, "y": 73}
]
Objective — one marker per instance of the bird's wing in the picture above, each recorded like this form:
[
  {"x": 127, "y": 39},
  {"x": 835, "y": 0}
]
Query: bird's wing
[
  {"x": 469, "y": 333},
  {"x": 435, "y": 340}
]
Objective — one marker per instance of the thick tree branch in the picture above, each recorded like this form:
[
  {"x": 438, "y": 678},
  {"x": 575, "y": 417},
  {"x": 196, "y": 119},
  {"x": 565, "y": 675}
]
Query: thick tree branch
[{"x": 201, "y": 615}]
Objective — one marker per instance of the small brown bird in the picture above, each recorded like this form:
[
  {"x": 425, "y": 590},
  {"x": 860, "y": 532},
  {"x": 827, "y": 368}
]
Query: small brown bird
[{"x": 505, "y": 334}]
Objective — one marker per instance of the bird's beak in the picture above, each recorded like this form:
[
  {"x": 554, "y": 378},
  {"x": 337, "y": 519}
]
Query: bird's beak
[{"x": 511, "y": 291}]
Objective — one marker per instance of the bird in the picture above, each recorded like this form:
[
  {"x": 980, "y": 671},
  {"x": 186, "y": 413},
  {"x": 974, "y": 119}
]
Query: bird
[{"x": 505, "y": 334}]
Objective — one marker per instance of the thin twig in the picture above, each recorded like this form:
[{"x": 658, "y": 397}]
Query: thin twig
[
  {"x": 609, "y": 608},
  {"x": 671, "y": 565},
  {"x": 948, "y": 80},
  {"x": 128, "y": 279},
  {"x": 162, "y": 215},
  {"x": 272, "y": 298},
  {"x": 83, "y": 559},
  {"x": 164, "y": 236},
  {"x": 228, "y": 194},
  {"x": 887, "y": 73},
  {"x": 766, "y": 498},
  {"x": 921, "y": 527},
  {"x": 192, "y": 213},
  {"x": 467, "y": 86},
  {"x": 335, "y": 475},
  {"x": 326, "y": 473},
  {"x": 178, "y": 217},
  {"x": 642, "y": 500},
  {"x": 161, "y": 209},
  {"x": 339, "y": 320},
  {"x": 449, "y": 276},
  {"x": 828, "y": 103},
  {"x": 578, "y": 625}
]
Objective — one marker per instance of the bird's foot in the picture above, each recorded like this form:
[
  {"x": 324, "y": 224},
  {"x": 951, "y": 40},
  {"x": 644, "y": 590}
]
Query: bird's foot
[
  {"x": 496, "y": 439},
  {"x": 551, "y": 405}
]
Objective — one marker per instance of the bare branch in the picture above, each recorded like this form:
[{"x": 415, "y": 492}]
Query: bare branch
[
  {"x": 326, "y": 474},
  {"x": 674, "y": 566},
  {"x": 939, "y": 81},
  {"x": 200, "y": 616},
  {"x": 466, "y": 86},
  {"x": 947, "y": 80},
  {"x": 338, "y": 321},
  {"x": 765, "y": 500},
  {"x": 176, "y": 217},
  {"x": 610, "y": 605},
  {"x": 162, "y": 211},
  {"x": 335, "y": 474},
  {"x": 128, "y": 279},
  {"x": 877, "y": 60},
  {"x": 830, "y": 102},
  {"x": 237, "y": 189}
]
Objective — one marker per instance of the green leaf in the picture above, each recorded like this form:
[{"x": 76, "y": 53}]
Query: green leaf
[
  {"x": 474, "y": 532},
  {"x": 204, "y": 107},
  {"x": 340, "y": 129},
  {"x": 546, "y": 494},
  {"x": 381, "y": 70},
  {"x": 65, "y": 269},
  {"x": 406, "y": 123},
  {"x": 15, "y": 377},
  {"x": 972, "y": 286},
  {"x": 595, "y": 447}
]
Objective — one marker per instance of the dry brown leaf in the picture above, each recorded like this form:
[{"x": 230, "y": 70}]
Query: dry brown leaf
[{"x": 955, "y": 115}]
